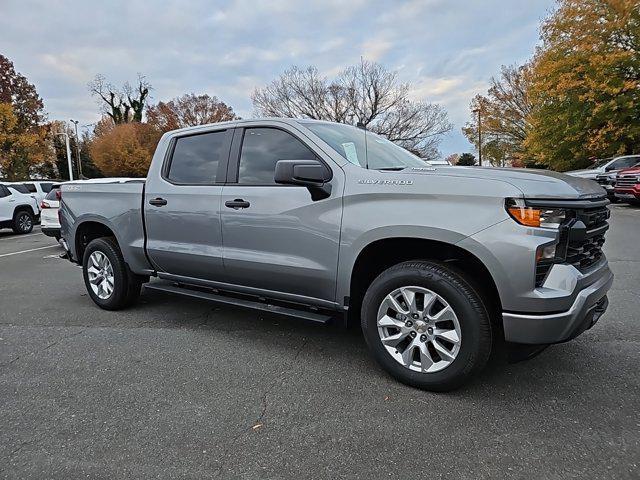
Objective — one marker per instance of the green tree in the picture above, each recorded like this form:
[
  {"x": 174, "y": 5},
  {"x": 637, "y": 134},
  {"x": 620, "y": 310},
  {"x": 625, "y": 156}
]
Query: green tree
[
  {"x": 466, "y": 160},
  {"x": 586, "y": 84}
]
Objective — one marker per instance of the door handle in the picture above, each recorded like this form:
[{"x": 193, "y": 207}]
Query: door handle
[
  {"x": 158, "y": 202},
  {"x": 237, "y": 203}
]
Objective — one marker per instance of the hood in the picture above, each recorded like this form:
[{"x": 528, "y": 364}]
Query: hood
[
  {"x": 632, "y": 170},
  {"x": 585, "y": 173},
  {"x": 532, "y": 183}
]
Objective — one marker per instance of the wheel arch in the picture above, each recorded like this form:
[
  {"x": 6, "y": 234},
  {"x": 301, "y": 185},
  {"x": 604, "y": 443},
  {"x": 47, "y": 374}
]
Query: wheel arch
[
  {"x": 89, "y": 230},
  {"x": 21, "y": 208},
  {"x": 380, "y": 254}
]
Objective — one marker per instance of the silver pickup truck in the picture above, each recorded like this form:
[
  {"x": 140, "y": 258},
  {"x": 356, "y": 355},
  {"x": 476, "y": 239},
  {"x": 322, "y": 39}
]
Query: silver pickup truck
[{"x": 320, "y": 220}]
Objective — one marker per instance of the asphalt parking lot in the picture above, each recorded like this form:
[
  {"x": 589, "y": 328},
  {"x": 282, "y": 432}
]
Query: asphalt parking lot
[{"x": 177, "y": 388}]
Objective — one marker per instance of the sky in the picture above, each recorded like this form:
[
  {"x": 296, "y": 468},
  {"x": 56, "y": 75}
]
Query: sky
[{"x": 448, "y": 50}]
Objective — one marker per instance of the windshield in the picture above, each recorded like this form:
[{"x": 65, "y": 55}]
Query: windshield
[
  {"x": 364, "y": 149},
  {"x": 601, "y": 163}
]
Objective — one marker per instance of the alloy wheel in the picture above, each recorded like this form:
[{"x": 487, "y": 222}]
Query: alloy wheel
[
  {"x": 100, "y": 273},
  {"x": 24, "y": 222},
  {"x": 419, "y": 329}
]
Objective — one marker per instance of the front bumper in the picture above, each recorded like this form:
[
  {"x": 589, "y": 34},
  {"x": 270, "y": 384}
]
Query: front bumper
[{"x": 589, "y": 304}]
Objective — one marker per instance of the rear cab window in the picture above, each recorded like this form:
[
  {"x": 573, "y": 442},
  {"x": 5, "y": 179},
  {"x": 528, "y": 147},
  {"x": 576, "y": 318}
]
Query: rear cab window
[{"x": 196, "y": 159}]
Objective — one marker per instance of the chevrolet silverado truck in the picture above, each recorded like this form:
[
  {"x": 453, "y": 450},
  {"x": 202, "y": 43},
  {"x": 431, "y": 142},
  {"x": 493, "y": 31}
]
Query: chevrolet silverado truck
[{"x": 319, "y": 220}]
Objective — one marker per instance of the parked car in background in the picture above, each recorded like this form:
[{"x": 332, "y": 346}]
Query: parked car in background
[
  {"x": 607, "y": 181},
  {"x": 606, "y": 165},
  {"x": 39, "y": 188},
  {"x": 627, "y": 188},
  {"x": 49, "y": 222},
  {"x": 18, "y": 211}
]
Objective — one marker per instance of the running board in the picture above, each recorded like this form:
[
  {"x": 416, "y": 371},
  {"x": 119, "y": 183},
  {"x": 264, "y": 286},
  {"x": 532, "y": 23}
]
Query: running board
[{"x": 173, "y": 288}]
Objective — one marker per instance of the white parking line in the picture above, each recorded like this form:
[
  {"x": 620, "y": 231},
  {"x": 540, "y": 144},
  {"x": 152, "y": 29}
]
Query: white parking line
[
  {"x": 30, "y": 250},
  {"x": 18, "y": 237}
]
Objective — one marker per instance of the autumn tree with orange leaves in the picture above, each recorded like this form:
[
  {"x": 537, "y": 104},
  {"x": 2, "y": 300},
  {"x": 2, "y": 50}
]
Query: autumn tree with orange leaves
[
  {"x": 189, "y": 110},
  {"x": 124, "y": 150},
  {"x": 578, "y": 98}
]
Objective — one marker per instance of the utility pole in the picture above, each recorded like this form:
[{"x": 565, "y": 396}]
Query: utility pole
[
  {"x": 78, "y": 148},
  {"x": 478, "y": 111},
  {"x": 66, "y": 139}
]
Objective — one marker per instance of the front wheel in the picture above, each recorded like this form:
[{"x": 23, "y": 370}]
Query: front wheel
[
  {"x": 109, "y": 282},
  {"x": 426, "y": 326}
]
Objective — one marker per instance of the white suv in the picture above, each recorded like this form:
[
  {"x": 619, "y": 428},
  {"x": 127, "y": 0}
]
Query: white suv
[
  {"x": 38, "y": 189},
  {"x": 19, "y": 211}
]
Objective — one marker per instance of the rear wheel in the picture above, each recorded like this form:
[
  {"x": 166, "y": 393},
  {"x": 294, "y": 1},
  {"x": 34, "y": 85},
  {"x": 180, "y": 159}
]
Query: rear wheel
[
  {"x": 109, "y": 282},
  {"x": 22, "y": 222},
  {"x": 426, "y": 325}
]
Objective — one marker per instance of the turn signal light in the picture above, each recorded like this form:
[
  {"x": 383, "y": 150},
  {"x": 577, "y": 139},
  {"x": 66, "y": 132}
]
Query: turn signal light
[{"x": 525, "y": 215}]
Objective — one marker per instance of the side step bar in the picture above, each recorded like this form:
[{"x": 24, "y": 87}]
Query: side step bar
[{"x": 173, "y": 288}]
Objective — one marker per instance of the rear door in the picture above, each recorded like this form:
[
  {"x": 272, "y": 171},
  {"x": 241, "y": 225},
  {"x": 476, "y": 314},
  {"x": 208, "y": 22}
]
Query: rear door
[
  {"x": 7, "y": 204},
  {"x": 182, "y": 206},
  {"x": 281, "y": 240}
]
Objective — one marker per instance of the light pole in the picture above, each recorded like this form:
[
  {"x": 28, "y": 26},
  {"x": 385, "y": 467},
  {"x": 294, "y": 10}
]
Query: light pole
[
  {"x": 478, "y": 110},
  {"x": 66, "y": 139},
  {"x": 78, "y": 148}
]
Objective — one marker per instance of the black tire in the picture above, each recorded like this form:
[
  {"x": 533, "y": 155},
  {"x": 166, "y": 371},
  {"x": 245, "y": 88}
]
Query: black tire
[
  {"x": 22, "y": 222},
  {"x": 126, "y": 288},
  {"x": 475, "y": 324}
]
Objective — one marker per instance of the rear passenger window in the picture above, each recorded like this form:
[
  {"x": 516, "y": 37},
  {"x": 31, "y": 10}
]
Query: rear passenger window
[
  {"x": 196, "y": 158},
  {"x": 262, "y": 148},
  {"x": 31, "y": 188},
  {"x": 52, "y": 194},
  {"x": 46, "y": 187}
]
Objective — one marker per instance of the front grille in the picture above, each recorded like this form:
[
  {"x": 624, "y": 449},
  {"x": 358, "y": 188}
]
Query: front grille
[
  {"x": 587, "y": 249},
  {"x": 626, "y": 181},
  {"x": 580, "y": 240}
]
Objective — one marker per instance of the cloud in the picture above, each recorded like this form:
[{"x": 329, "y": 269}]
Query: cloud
[{"x": 447, "y": 49}]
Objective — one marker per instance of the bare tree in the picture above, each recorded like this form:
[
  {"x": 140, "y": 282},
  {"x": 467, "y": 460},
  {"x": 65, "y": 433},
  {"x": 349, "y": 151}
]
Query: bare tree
[
  {"x": 366, "y": 94},
  {"x": 189, "y": 110},
  {"x": 122, "y": 105},
  {"x": 505, "y": 113}
]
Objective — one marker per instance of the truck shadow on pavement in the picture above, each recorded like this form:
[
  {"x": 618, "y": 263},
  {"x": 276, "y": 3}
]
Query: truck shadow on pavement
[{"x": 559, "y": 370}]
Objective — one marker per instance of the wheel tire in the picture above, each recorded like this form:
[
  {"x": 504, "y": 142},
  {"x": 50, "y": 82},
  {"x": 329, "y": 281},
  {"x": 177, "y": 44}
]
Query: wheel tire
[
  {"x": 126, "y": 285},
  {"x": 22, "y": 222},
  {"x": 473, "y": 319}
]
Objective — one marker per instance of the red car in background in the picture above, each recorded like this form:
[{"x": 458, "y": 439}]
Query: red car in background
[{"x": 627, "y": 187}]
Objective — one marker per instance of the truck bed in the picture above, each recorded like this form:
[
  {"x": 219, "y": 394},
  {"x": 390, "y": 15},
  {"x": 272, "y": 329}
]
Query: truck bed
[{"x": 115, "y": 202}]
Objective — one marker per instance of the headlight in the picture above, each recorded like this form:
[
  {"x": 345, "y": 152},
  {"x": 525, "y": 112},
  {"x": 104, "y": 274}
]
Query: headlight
[{"x": 534, "y": 217}]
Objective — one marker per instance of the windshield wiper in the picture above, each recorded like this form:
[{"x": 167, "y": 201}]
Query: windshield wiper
[{"x": 391, "y": 169}]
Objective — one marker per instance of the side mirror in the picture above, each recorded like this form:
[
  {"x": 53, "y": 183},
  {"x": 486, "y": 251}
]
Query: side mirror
[
  {"x": 312, "y": 174},
  {"x": 308, "y": 173}
]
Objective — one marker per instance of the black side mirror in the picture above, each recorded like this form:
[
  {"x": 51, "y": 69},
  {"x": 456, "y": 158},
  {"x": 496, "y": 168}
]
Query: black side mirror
[
  {"x": 302, "y": 172},
  {"x": 312, "y": 174}
]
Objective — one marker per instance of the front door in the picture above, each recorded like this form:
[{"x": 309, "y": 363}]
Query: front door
[
  {"x": 276, "y": 237},
  {"x": 182, "y": 206}
]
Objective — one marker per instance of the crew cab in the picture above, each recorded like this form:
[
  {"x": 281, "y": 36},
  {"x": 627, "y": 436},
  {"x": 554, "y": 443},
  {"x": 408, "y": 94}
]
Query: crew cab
[{"x": 322, "y": 221}]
